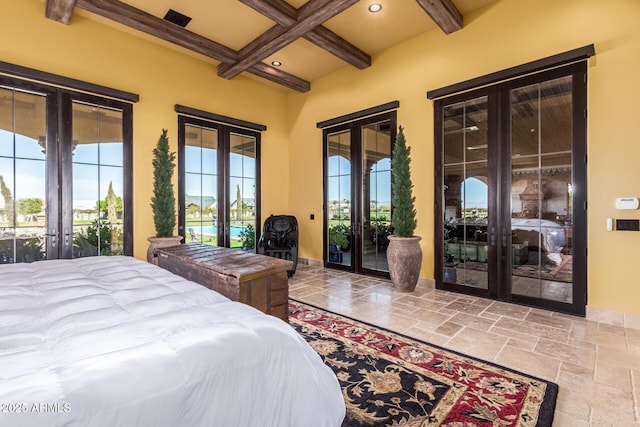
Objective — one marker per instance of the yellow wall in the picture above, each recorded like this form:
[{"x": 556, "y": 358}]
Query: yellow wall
[
  {"x": 96, "y": 53},
  {"x": 506, "y": 34}
]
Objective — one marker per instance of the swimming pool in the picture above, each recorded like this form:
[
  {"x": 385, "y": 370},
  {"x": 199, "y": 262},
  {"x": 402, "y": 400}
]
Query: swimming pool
[{"x": 212, "y": 230}]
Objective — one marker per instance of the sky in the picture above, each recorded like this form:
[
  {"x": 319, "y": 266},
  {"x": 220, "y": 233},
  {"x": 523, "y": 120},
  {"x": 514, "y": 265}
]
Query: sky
[
  {"x": 474, "y": 194},
  {"x": 339, "y": 171},
  {"x": 204, "y": 161},
  {"x": 30, "y": 171}
]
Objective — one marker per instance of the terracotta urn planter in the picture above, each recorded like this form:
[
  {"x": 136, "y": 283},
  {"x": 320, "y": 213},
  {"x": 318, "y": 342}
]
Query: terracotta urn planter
[
  {"x": 404, "y": 256},
  {"x": 160, "y": 242}
]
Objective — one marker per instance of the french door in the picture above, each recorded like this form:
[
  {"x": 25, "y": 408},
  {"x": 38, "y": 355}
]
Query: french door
[
  {"x": 357, "y": 193},
  {"x": 219, "y": 169},
  {"x": 65, "y": 174},
  {"x": 511, "y": 167}
]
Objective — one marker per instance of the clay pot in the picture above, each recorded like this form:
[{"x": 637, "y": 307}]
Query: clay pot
[{"x": 404, "y": 256}]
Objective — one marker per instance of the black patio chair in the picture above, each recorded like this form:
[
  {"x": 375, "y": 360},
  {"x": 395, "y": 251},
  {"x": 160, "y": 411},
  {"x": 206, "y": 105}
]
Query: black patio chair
[{"x": 279, "y": 239}]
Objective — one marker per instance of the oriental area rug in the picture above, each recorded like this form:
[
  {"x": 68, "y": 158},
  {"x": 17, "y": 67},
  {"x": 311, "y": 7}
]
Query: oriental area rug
[{"x": 389, "y": 379}]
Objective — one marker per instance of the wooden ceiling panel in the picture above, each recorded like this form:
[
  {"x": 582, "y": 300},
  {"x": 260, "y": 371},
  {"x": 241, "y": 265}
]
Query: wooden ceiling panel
[{"x": 296, "y": 57}]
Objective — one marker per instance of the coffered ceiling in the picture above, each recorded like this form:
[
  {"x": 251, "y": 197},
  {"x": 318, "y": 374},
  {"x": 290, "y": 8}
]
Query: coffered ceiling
[{"x": 309, "y": 38}]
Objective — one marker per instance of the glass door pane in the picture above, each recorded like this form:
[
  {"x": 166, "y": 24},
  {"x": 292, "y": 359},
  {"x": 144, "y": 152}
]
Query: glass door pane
[
  {"x": 466, "y": 194},
  {"x": 23, "y": 172},
  {"x": 98, "y": 181},
  {"x": 376, "y": 197},
  {"x": 241, "y": 232},
  {"x": 339, "y": 225},
  {"x": 541, "y": 190},
  {"x": 201, "y": 185}
]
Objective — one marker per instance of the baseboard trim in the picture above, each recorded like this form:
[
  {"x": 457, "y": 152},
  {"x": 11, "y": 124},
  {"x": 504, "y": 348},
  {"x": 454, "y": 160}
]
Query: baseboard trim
[
  {"x": 612, "y": 317},
  {"x": 311, "y": 262},
  {"x": 595, "y": 314},
  {"x": 422, "y": 282}
]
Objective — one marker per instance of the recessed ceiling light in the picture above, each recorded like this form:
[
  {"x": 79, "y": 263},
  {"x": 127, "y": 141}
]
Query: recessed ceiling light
[
  {"x": 375, "y": 7},
  {"x": 276, "y": 63}
]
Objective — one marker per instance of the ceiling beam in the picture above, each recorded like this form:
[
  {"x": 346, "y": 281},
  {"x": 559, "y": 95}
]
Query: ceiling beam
[
  {"x": 135, "y": 18},
  {"x": 281, "y": 77},
  {"x": 312, "y": 14},
  {"x": 444, "y": 13},
  {"x": 60, "y": 10},
  {"x": 284, "y": 14}
]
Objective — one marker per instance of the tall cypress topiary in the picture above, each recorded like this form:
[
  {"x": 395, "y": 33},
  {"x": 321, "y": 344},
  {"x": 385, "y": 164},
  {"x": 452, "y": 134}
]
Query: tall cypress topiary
[
  {"x": 403, "y": 219},
  {"x": 163, "y": 200}
]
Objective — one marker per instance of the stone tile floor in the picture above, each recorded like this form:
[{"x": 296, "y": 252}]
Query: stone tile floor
[{"x": 596, "y": 365}]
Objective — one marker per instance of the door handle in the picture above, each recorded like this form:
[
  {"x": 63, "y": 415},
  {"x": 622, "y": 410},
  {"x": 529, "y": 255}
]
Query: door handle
[
  {"x": 504, "y": 237},
  {"x": 67, "y": 235},
  {"x": 492, "y": 238},
  {"x": 53, "y": 236}
]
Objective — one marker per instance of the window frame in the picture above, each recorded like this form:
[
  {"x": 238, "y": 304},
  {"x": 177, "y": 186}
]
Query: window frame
[
  {"x": 224, "y": 127},
  {"x": 500, "y": 155},
  {"x": 60, "y": 93}
]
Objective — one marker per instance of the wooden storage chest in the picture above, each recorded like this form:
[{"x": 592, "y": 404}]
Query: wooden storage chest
[{"x": 257, "y": 280}]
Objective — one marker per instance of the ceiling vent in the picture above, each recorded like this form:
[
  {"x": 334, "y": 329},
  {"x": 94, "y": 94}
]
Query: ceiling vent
[{"x": 177, "y": 18}]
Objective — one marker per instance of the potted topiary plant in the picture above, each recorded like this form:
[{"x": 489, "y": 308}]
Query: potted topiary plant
[
  {"x": 248, "y": 238},
  {"x": 404, "y": 254},
  {"x": 163, "y": 202}
]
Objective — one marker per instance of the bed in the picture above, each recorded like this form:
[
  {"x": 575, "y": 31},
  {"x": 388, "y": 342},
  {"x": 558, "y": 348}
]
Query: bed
[
  {"x": 106, "y": 341},
  {"x": 552, "y": 234}
]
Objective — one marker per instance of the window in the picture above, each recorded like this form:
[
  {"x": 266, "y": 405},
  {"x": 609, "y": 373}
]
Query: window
[
  {"x": 65, "y": 170},
  {"x": 357, "y": 189},
  {"x": 219, "y": 188}
]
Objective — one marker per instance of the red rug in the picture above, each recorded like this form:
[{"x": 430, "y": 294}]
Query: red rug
[{"x": 389, "y": 379}]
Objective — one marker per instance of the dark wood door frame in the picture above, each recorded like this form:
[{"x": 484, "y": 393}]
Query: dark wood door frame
[{"x": 499, "y": 180}]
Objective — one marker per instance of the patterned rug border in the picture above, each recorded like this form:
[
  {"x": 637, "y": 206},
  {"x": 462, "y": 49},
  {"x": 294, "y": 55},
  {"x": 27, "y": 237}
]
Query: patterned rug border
[{"x": 547, "y": 408}]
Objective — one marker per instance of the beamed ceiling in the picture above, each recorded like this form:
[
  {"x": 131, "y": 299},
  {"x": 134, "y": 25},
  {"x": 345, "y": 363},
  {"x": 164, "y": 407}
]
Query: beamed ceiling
[{"x": 310, "y": 38}]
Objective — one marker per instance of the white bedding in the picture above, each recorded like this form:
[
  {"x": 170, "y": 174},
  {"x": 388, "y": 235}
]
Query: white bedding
[
  {"x": 114, "y": 341},
  {"x": 552, "y": 234}
]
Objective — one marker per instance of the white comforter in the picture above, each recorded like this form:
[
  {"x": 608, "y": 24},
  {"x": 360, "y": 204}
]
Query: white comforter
[{"x": 114, "y": 341}]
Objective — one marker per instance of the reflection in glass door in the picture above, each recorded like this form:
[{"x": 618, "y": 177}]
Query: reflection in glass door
[
  {"x": 466, "y": 194},
  {"x": 542, "y": 190},
  {"x": 23, "y": 177},
  {"x": 512, "y": 181}
]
